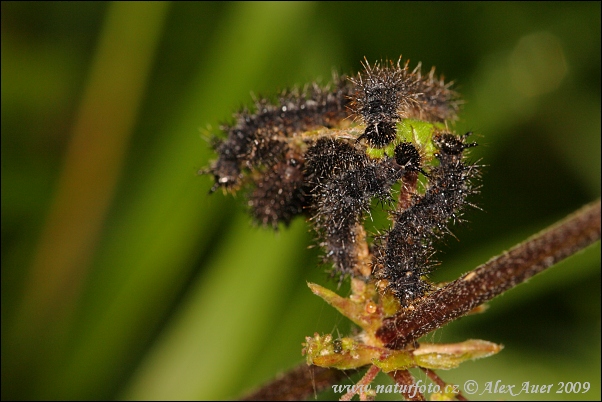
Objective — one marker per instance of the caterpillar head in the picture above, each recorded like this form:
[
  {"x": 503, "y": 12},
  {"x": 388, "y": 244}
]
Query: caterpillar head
[{"x": 383, "y": 93}]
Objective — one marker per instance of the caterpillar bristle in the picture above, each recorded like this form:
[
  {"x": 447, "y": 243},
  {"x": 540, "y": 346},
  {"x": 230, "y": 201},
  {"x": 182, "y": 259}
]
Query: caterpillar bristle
[{"x": 437, "y": 102}]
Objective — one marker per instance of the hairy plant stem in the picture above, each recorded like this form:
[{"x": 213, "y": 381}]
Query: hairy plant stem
[
  {"x": 501, "y": 273},
  {"x": 408, "y": 388},
  {"x": 362, "y": 384},
  {"x": 297, "y": 384}
]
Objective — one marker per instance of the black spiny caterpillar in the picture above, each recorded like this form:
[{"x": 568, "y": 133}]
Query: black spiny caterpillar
[
  {"x": 327, "y": 151},
  {"x": 403, "y": 255}
]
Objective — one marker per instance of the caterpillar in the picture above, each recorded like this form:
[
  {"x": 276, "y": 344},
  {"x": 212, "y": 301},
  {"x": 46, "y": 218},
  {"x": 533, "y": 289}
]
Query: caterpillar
[
  {"x": 343, "y": 182},
  {"x": 325, "y": 152},
  {"x": 404, "y": 254}
]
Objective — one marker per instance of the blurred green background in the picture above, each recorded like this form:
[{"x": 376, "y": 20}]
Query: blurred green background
[{"x": 122, "y": 278}]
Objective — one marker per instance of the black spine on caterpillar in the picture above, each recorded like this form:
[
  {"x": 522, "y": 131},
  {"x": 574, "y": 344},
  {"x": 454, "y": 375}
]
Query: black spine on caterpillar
[
  {"x": 436, "y": 101},
  {"x": 403, "y": 256},
  {"x": 343, "y": 181},
  {"x": 260, "y": 138}
]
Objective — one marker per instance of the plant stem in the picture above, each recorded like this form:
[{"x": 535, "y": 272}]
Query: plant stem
[
  {"x": 408, "y": 388},
  {"x": 362, "y": 384},
  {"x": 297, "y": 384}
]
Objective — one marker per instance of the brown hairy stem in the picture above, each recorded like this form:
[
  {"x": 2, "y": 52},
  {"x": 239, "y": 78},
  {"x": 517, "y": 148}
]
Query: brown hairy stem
[
  {"x": 363, "y": 383},
  {"x": 408, "y": 388},
  {"x": 297, "y": 384},
  {"x": 408, "y": 189},
  {"x": 491, "y": 279}
]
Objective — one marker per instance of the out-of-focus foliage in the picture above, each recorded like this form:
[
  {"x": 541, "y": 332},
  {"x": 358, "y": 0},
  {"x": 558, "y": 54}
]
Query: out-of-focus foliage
[{"x": 122, "y": 278}]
